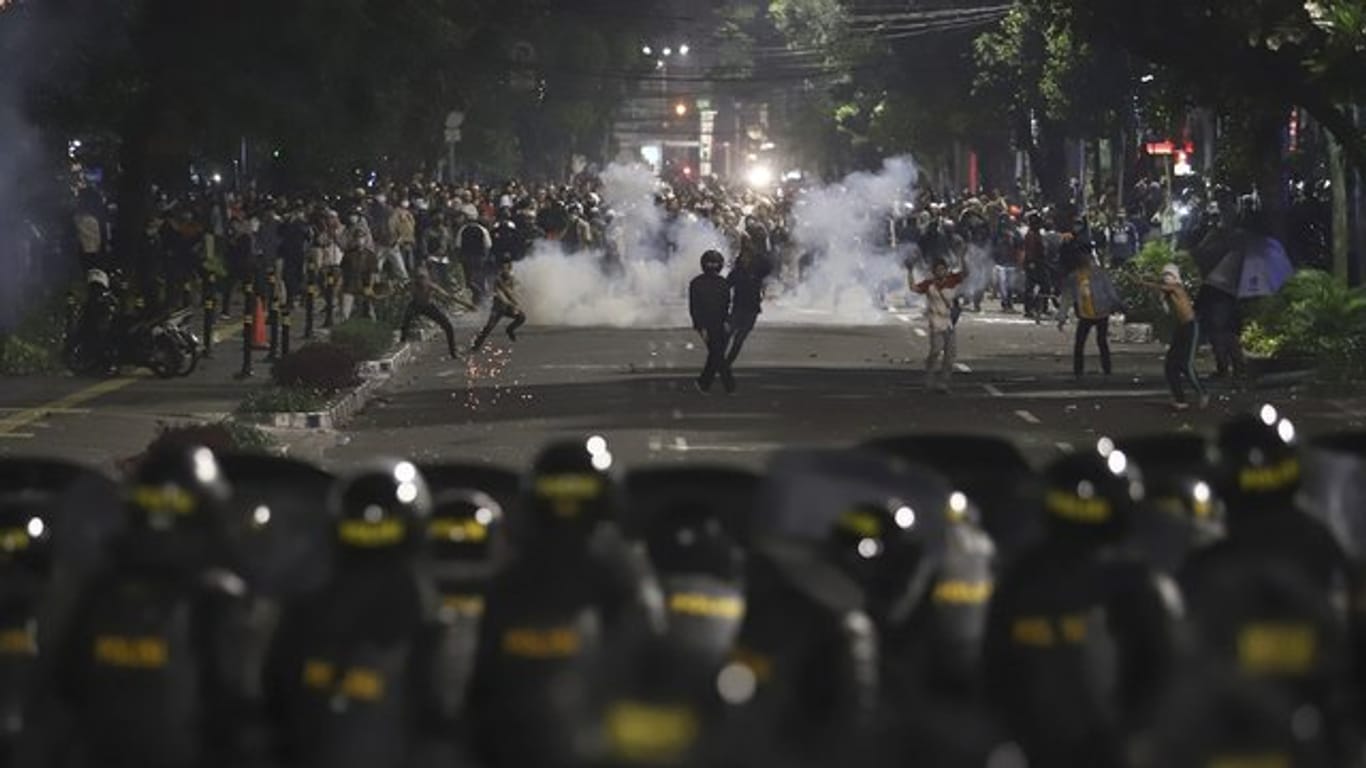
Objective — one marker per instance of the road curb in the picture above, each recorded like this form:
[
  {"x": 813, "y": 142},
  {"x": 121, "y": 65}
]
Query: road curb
[{"x": 374, "y": 374}]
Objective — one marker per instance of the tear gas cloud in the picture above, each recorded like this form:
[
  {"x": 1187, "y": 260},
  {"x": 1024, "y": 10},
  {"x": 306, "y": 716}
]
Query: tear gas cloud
[{"x": 845, "y": 227}]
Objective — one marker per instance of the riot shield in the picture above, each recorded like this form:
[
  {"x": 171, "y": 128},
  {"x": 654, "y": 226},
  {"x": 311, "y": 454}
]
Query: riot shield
[
  {"x": 278, "y": 526},
  {"x": 991, "y": 472},
  {"x": 1334, "y": 487},
  {"x": 728, "y": 494}
]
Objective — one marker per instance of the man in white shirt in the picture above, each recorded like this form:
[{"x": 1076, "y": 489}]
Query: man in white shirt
[{"x": 940, "y": 291}]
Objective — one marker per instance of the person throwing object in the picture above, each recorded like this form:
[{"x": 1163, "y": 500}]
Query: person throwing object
[
  {"x": 421, "y": 304},
  {"x": 940, "y": 292},
  {"x": 1185, "y": 336},
  {"x": 505, "y": 304}
]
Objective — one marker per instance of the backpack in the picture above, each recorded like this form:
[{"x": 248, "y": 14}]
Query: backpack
[{"x": 142, "y": 693}]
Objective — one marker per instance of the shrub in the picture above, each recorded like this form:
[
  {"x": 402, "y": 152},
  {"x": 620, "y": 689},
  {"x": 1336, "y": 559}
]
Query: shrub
[
  {"x": 22, "y": 357},
  {"x": 367, "y": 339},
  {"x": 226, "y": 435},
  {"x": 34, "y": 345},
  {"x": 281, "y": 400},
  {"x": 1142, "y": 304},
  {"x": 322, "y": 367},
  {"x": 223, "y": 435},
  {"x": 1315, "y": 315}
]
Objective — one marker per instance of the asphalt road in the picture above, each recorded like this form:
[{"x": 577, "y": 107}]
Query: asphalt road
[{"x": 800, "y": 384}]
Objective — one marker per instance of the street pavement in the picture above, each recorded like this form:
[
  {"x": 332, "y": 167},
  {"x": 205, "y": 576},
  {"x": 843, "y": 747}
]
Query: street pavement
[{"x": 798, "y": 385}]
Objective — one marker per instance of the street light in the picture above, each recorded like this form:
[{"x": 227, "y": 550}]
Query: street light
[
  {"x": 680, "y": 109},
  {"x": 668, "y": 51},
  {"x": 647, "y": 50},
  {"x": 683, "y": 49}
]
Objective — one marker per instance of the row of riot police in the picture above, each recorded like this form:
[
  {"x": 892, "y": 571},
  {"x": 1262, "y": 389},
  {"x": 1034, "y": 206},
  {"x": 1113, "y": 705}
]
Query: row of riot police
[{"x": 925, "y": 600}]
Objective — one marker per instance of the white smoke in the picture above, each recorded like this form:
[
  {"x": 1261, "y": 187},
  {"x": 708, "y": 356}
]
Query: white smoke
[
  {"x": 854, "y": 272},
  {"x": 658, "y": 258},
  {"x": 846, "y": 229}
]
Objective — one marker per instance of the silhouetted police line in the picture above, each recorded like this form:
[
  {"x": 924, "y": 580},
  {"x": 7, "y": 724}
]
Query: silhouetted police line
[{"x": 927, "y": 600}]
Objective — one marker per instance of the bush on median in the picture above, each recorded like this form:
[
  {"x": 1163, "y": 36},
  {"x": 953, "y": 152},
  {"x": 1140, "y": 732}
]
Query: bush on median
[
  {"x": 367, "y": 339},
  {"x": 269, "y": 400},
  {"x": 322, "y": 368}
]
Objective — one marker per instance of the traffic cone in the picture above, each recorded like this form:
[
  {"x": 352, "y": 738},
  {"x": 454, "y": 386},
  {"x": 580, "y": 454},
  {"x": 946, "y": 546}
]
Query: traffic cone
[{"x": 258, "y": 326}]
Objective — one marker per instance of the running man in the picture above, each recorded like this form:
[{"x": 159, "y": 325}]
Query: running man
[
  {"x": 505, "y": 304},
  {"x": 421, "y": 304}
]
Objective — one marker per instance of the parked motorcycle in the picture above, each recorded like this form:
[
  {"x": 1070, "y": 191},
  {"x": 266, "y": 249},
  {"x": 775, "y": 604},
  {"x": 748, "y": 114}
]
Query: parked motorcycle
[{"x": 164, "y": 344}]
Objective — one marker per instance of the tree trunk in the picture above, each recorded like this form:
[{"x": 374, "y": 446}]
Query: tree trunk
[
  {"x": 1270, "y": 150},
  {"x": 1337, "y": 167}
]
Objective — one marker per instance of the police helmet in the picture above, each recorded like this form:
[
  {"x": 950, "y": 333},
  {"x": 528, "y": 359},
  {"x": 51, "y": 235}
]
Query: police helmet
[
  {"x": 97, "y": 277},
  {"x": 890, "y": 549},
  {"x": 1092, "y": 494},
  {"x": 177, "y": 488},
  {"x": 713, "y": 262},
  {"x": 381, "y": 509},
  {"x": 465, "y": 527},
  {"x": 570, "y": 485},
  {"x": 1257, "y": 462},
  {"x": 25, "y": 532}
]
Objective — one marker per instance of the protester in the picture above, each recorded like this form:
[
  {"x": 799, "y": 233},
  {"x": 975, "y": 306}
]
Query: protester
[
  {"x": 1180, "y": 363},
  {"x": 506, "y": 303},
  {"x": 940, "y": 292},
  {"x": 1089, "y": 290}
]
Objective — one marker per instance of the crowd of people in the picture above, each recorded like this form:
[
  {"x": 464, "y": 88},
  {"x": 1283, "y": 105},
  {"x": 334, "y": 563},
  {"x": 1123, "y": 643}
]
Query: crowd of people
[
  {"x": 459, "y": 244},
  {"x": 1159, "y": 602}
]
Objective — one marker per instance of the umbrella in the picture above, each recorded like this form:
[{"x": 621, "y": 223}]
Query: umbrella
[{"x": 1256, "y": 266}]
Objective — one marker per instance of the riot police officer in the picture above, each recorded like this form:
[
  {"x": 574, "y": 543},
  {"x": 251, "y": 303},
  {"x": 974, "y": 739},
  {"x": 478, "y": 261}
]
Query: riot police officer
[
  {"x": 1270, "y": 601},
  {"x": 26, "y": 530},
  {"x": 465, "y": 545},
  {"x": 1079, "y": 635},
  {"x": 570, "y": 613},
  {"x": 803, "y": 684},
  {"x": 1258, "y": 473},
  {"x": 349, "y": 674},
  {"x": 142, "y": 667}
]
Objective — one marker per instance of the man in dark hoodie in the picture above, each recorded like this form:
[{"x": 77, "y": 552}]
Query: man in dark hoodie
[{"x": 709, "y": 304}]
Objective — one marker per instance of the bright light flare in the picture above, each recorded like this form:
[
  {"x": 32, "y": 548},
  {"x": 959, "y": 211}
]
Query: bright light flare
[{"x": 759, "y": 176}]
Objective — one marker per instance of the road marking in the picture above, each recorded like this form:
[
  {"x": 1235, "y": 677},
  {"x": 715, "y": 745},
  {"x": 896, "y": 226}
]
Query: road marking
[
  {"x": 450, "y": 373},
  {"x": 10, "y": 424},
  {"x": 993, "y": 390},
  {"x": 904, "y": 318},
  {"x": 680, "y": 444},
  {"x": 1066, "y": 448},
  {"x": 962, "y": 368},
  {"x": 921, "y": 333},
  {"x": 16, "y": 435},
  {"x": 52, "y": 411},
  {"x": 727, "y": 448},
  {"x": 1085, "y": 394},
  {"x": 1028, "y": 417}
]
